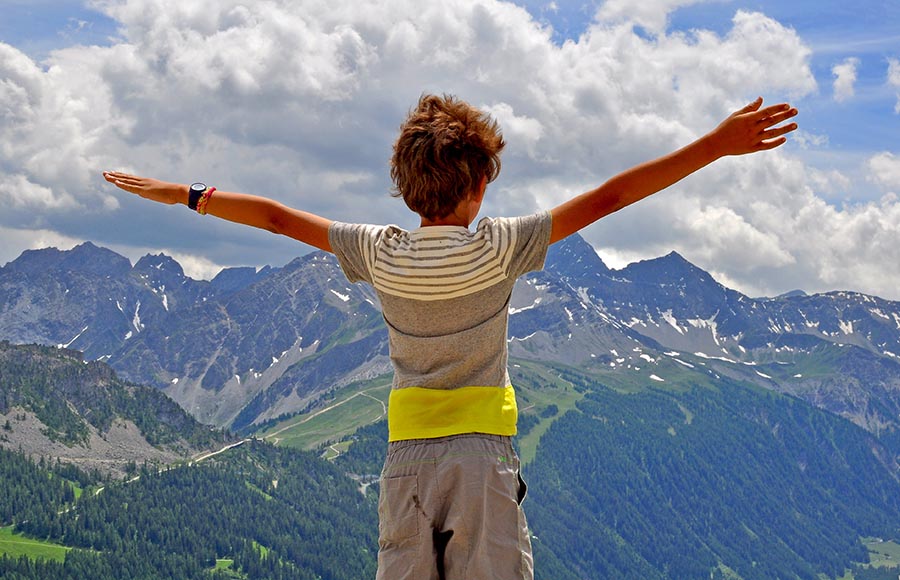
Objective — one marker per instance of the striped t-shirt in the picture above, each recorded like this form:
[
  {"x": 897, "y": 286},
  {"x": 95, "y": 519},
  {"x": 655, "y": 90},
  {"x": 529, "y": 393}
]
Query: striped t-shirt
[{"x": 444, "y": 293}]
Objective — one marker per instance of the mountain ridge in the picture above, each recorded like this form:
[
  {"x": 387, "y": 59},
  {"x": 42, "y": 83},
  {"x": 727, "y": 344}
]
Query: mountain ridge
[{"x": 251, "y": 345}]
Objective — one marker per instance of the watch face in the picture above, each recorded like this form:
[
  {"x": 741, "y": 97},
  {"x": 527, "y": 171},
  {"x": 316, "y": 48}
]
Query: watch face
[{"x": 199, "y": 187}]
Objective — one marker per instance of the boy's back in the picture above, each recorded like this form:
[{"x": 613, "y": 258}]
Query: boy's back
[
  {"x": 444, "y": 292},
  {"x": 450, "y": 502}
]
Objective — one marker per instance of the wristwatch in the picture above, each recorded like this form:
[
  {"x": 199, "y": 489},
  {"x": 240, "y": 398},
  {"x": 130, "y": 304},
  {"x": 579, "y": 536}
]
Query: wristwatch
[{"x": 196, "y": 191}]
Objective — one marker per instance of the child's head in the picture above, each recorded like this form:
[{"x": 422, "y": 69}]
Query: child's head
[{"x": 445, "y": 148}]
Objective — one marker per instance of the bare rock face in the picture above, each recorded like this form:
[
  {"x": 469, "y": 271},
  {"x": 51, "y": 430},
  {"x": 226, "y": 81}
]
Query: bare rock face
[
  {"x": 55, "y": 404},
  {"x": 108, "y": 452}
]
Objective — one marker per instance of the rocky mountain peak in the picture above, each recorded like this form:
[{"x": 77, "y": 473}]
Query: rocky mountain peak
[
  {"x": 669, "y": 269},
  {"x": 231, "y": 280},
  {"x": 792, "y": 294},
  {"x": 84, "y": 258},
  {"x": 575, "y": 259},
  {"x": 31, "y": 261},
  {"x": 94, "y": 260},
  {"x": 159, "y": 265}
]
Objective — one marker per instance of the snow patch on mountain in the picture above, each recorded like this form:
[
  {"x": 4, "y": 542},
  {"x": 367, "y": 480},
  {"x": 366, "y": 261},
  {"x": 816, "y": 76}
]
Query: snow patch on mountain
[
  {"x": 673, "y": 322},
  {"x": 343, "y": 297},
  {"x": 136, "y": 321},
  {"x": 537, "y": 302},
  {"x": 66, "y": 345},
  {"x": 722, "y": 358}
]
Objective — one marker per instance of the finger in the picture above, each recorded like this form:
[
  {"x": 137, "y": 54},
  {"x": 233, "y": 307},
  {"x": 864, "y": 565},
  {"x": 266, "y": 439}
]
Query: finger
[
  {"x": 783, "y": 110},
  {"x": 778, "y": 117},
  {"x": 129, "y": 180},
  {"x": 115, "y": 180},
  {"x": 749, "y": 108},
  {"x": 122, "y": 181},
  {"x": 122, "y": 175},
  {"x": 118, "y": 178},
  {"x": 775, "y": 132},
  {"x": 772, "y": 144}
]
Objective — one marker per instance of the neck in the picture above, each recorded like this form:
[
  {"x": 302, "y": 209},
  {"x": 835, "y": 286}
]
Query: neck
[
  {"x": 462, "y": 215},
  {"x": 448, "y": 220}
]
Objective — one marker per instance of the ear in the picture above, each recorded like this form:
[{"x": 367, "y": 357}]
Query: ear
[{"x": 478, "y": 194}]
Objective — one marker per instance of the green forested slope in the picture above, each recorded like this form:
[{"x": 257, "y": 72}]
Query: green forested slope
[
  {"x": 68, "y": 394},
  {"x": 703, "y": 483},
  {"x": 276, "y": 513},
  {"x": 27, "y": 491}
]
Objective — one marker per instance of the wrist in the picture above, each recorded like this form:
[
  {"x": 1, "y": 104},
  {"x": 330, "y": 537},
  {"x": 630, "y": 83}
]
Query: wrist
[
  {"x": 182, "y": 192},
  {"x": 712, "y": 146}
]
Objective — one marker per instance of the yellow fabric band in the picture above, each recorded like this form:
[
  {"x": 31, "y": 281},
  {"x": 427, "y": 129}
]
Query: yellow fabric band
[{"x": 420, "y": 413}]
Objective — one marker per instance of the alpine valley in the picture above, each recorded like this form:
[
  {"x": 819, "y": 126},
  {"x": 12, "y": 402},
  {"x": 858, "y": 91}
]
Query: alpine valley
[{"x": 671, "y": 428}]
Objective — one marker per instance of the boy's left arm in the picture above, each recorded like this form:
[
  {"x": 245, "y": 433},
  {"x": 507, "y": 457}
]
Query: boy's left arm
[{"x": 745, "y": 131}]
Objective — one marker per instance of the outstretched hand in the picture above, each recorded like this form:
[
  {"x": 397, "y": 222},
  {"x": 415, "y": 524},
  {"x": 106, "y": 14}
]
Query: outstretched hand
[
  {"x": 747, "y": 130},
  {"x": 753, "y": 128},
  {"x": 148, "y": 188}
]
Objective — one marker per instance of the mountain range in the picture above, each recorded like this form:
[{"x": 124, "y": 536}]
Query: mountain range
[
  {"x": 664, "y": 422},
  {"x": 252, "y": 345}
]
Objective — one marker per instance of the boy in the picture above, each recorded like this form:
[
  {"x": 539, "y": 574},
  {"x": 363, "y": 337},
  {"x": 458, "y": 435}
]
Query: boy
[{"x": 451, "y": 494}]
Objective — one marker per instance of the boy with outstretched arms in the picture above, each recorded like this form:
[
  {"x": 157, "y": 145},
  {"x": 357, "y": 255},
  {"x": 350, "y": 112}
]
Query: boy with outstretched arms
[{"x": 451, "y": 493}]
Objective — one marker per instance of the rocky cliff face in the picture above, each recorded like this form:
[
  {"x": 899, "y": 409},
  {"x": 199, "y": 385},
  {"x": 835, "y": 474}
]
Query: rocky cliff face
[{"x": 53, "y": 403}]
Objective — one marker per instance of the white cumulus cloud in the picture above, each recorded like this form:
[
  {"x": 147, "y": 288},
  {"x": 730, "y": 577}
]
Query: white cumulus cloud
[
  {"x": 845, "y": 79},
  {"x": 884, "y": 170},
  {"x": 652, "y": 15},
  {"x": 301, "y": 101},
  {"x": 893, "y": 79}
]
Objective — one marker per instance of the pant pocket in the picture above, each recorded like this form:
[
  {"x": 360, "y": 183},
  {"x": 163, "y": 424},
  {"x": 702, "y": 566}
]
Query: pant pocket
[
  {"x": 523, "y": 489},
  {"x": 398, "y": 508}
]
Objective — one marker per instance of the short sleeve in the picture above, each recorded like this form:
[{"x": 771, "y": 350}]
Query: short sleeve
[
  {"x": 528, "y": 237},
  {"x": 354, "y": 247}
]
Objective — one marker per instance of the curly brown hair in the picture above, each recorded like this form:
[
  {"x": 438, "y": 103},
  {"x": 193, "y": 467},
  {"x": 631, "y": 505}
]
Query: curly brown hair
[{"x": 446, "y": 146}]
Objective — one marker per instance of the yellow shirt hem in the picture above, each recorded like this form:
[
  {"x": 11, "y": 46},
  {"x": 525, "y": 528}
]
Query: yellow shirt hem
[{"x": 422, "y": 413}]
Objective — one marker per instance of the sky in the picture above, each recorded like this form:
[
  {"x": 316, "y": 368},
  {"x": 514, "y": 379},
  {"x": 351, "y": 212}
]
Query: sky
[{"x": 300, "y": 100}]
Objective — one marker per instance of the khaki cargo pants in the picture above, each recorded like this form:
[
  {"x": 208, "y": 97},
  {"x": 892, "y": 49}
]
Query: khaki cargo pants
[{"x": 450, "y": 509}]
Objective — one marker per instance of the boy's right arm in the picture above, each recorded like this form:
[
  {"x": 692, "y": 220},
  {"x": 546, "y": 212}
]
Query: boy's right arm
[
  {"x": 747, "y": 130},
  {"x": 240, "y": 208}
]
